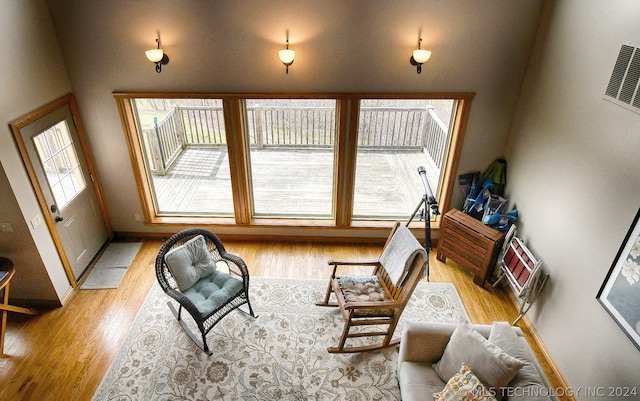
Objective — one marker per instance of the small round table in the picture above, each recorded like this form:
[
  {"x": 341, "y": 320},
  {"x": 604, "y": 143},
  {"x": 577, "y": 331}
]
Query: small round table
[{"x": 6, "y": 265}]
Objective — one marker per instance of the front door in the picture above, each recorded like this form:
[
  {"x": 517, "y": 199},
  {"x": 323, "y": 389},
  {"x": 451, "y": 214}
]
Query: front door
[{"x": 64, "y": 185}]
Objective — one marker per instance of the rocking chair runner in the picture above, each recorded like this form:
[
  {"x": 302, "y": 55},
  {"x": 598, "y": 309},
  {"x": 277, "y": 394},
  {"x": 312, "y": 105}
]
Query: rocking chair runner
[
  {"x": 377, "y": 300},
  {"x": 188, "y": 270}
]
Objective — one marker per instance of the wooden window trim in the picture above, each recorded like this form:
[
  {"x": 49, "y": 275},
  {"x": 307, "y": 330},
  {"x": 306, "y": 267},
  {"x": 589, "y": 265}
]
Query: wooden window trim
[{"x": 346, "y": 148}]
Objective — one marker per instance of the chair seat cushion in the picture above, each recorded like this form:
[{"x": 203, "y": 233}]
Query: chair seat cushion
[
  {"x": 190, "y": 262},
  {"x": 365, "y": 289},
  {"x": 213, "y": 291}
]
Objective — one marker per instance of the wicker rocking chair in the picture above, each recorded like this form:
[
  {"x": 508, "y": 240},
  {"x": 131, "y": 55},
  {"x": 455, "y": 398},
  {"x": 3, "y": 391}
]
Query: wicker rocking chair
[
  {"x": 377, "y": 301},
  {"x": 190, "y": 269}
]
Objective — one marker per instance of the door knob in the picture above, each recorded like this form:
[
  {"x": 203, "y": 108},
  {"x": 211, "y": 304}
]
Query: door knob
[{"x": 58, "y": 219}]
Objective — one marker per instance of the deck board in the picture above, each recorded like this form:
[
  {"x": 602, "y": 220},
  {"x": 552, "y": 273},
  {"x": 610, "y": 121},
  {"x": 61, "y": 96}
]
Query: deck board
[{"x": 293, "y": 182}]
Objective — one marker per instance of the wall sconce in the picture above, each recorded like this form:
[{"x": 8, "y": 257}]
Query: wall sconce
[
  {"x": 157, "y": 56},
  {"x": 419, "y": 56},
  {"x": 286, "y": 56}
]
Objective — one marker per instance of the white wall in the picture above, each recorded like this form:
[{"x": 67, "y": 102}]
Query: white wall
[
  {"x": 342, "y": 46},
  {"x": 574, "y": 176},
  {"x": 32, "y": 74}
]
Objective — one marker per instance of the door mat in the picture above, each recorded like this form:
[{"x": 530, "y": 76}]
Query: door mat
[{"x": 112, "y": 266}]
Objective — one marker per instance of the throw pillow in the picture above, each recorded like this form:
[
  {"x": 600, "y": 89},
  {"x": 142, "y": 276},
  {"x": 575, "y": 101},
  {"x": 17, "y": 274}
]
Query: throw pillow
[
  {"x": 466, "y": 386},
  {"x": 190, "y": 262},
  {"x": 528, "y": 383},
  {"x": 493, "y": 367}
]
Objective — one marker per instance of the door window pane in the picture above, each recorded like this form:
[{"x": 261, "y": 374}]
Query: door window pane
[
  {"x": 291, "y": 154},
  {"x": 60, "y": 163},
  {"x": 395, "y": 137},
  {"x": 185, "y": 154}
]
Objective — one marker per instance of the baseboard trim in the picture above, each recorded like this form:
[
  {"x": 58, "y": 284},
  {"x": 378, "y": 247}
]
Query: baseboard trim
[
  {"x": 563, "y": 388},
  {"x": 341, "y": 239},
  {"x": 290, "y": 230},
  {"x": 37, "y": 304}
]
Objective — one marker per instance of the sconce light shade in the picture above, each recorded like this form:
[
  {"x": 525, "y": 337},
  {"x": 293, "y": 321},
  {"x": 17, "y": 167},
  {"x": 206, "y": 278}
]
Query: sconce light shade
[
  {"x": 286, "y": 56},
  {"x": 157, "y": 56},
  {"x": 154, "y": 55},
  {"x": 419, "y": 56}
]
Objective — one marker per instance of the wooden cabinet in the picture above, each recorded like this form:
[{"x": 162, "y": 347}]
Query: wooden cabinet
[{"x": 470, "y": 243}]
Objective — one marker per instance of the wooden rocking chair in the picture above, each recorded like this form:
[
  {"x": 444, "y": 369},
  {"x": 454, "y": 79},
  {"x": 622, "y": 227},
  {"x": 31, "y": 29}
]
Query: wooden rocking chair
[{"x": 378, "y": 300}]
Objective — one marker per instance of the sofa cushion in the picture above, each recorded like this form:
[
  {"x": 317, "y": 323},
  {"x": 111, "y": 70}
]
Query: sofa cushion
[
  {"x": 491, "y": 365},
  {"x": 464, "y": 385},
  {"x": 527, "y": 384},
  {"x": 190, "y": 262},
  {"x": 418, "y": 381}
]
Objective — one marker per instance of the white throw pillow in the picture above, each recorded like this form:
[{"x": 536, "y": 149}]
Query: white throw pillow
[
  {"x": 190, "y": 262},
  {"x": 491, "y": 365}
]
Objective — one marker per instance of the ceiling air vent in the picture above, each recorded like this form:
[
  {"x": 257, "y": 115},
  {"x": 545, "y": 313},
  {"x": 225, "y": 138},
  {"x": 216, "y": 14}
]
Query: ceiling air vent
[{"x": 623, "y": 84}]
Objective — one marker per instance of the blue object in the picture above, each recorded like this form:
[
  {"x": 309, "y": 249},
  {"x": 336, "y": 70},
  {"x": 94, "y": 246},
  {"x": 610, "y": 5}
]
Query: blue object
[{"x": 502, "y": 222}]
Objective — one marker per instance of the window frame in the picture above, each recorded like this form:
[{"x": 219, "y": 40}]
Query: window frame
[
  {"x": 347, "y": 120},
  {"x": 250, "y": 152}
]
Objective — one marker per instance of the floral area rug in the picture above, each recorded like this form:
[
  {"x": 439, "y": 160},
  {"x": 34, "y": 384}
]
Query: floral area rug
[{"x": 281, "y": 355}]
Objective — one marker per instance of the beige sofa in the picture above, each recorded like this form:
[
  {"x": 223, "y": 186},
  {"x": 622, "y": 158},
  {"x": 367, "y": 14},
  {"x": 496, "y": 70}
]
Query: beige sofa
[{"x": 424, "y": 344}]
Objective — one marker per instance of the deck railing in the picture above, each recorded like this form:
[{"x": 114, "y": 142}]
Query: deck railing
[
  {"x": 294, "y": 127},
  {"x": 436, "y": 140},
  {"x": 291, "y": 126}
]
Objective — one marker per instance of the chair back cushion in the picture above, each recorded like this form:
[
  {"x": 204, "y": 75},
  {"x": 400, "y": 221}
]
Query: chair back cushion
[{"x": 190, "y": 262}]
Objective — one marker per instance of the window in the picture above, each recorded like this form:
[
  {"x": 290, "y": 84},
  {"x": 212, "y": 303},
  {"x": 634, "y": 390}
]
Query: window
[
  {"x": 60, "y": 163},
  {"x": 301, "y": 161},
  {"x": 395, "y": 136},
  {"x": 292, "y": 158},
  {"x": 186, "y": 158}
]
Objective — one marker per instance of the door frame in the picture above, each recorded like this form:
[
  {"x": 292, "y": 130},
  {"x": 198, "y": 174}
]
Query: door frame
[{"x": 16, "y": 126}]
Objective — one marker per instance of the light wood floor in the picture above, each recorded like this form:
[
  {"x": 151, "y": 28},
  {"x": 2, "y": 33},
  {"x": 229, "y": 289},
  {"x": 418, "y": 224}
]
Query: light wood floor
[{"x": 63, "y": 354}]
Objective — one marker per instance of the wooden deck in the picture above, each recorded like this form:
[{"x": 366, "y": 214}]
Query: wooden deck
[{"x": 293, "y": 182}]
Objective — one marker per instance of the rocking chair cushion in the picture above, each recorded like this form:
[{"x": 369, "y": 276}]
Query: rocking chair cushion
[
  {"x": 362, "y": 289},
  {"x": 190, "y": 262},
  {"x": 365, "y": 289},
  {"x": 213, "y": 291}
]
